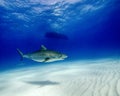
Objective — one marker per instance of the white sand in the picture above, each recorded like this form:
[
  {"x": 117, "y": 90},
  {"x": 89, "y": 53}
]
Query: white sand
[{"x": 81, "y": 78}]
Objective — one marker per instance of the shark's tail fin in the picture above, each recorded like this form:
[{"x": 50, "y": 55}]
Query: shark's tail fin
[{"x": 21, "y": 54}]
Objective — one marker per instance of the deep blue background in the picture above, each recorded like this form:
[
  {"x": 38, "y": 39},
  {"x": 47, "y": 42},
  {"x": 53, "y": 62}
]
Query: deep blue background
[{"x": 96, "y": 35}]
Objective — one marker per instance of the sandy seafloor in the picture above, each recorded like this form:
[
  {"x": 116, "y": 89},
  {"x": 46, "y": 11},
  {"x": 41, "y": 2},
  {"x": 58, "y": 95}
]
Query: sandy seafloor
[{"x": 77, "y": 78}]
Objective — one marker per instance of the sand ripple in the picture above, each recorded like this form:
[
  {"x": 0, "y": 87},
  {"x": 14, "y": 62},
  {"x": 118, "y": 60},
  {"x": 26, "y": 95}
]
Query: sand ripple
[{"x": 80, "y": 78}]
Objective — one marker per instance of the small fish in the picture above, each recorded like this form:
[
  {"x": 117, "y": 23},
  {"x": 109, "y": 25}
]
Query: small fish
[{"x": 43, "y": 55}]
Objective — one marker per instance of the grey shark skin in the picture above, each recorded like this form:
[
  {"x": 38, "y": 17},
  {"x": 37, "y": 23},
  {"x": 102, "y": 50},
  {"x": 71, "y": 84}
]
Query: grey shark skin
[{"x": 43, "y": 55}]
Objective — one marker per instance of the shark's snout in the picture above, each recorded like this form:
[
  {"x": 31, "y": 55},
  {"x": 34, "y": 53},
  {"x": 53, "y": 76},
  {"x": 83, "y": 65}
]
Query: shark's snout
[{"x": 64, "y": 56}]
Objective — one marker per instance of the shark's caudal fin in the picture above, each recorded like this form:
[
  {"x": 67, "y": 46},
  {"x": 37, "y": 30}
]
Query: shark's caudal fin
[
  {"x": 21, "y": 54},
  {"x": 43, "y": 47}
]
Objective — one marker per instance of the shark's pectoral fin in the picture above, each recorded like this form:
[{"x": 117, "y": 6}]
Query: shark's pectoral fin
[{"x": 46, "y": 59}]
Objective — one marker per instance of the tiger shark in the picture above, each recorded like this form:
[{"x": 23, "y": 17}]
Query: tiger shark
[{"x": 43, "y": 55}]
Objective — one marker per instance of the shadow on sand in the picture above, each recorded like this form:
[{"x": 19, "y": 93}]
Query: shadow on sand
[{"x": 43, "y": 83}]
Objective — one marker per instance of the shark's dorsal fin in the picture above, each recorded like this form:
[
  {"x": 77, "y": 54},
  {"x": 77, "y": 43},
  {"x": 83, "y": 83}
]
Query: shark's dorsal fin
[{"x": 43, "y": 47}]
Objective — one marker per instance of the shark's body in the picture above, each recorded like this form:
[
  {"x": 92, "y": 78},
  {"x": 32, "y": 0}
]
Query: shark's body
[{"x": 43, "y": 55}]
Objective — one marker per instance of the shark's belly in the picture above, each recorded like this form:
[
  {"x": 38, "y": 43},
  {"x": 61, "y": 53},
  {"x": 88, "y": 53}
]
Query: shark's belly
[
  {"x": 51, "y": 60},
  {"x": 37, "y": 58}
]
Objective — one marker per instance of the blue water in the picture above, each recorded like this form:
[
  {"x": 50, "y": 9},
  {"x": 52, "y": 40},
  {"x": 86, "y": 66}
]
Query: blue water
[{"x": 86, "y": 29}]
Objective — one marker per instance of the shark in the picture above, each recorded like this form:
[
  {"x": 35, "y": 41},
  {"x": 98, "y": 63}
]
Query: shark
[{"x": 43, "y": 55}]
